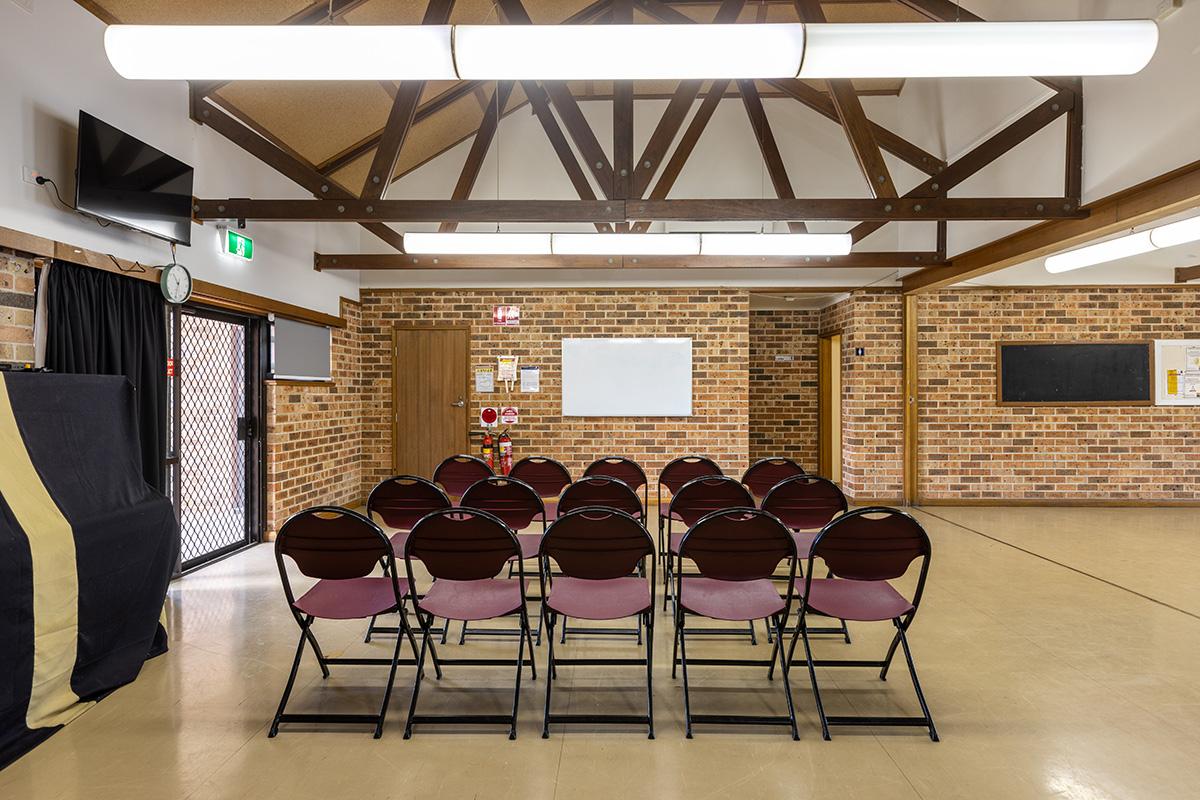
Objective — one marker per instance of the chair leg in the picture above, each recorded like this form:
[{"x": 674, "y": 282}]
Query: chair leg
[
  {"x": 312, "y": 640},
  {"x": 387, "y": 692},
  {"x": 687, "y": 700},
  {"x": 370, "y": 627},
  {"x": 550, "y": 669},
  {"x": 675, "y": 648},
  {"x": 912, "y": 670},
  {"x": 412, "y": 705},
  {"x": 649, "y": 670},
  {"x": 291, "y": 681},
  {"x": 407, "y": 632},
  {"x": 802, "y": 629},
  {"x": 783, "y": 668},
  {"x": 887, "y": 660},
  {"x": 512, "y": 728},
  {"x": 462, "y": 636},
  {"x": 753, "y": 635}
]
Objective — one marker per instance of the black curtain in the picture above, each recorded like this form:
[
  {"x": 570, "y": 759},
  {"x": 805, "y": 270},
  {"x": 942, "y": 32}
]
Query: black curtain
[{"x": 101, "y": 323}]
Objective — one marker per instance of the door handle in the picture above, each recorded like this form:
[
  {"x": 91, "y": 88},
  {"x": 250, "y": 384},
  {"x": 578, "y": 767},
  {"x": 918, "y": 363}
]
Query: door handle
[{"x": 459, "y": 404}]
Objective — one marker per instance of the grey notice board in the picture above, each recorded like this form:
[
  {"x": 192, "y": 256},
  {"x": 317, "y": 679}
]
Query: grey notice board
[{"x": 1075, "y": 373}]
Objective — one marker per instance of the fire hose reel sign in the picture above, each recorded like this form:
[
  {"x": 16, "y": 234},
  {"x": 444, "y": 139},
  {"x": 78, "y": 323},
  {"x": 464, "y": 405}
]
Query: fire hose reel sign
[
  {"x": 508, "y": 416},
  {"x": 488, "y": 416}
]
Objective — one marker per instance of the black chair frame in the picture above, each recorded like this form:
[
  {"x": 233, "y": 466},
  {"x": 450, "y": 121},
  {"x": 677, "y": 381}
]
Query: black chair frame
[{"x": 587, "y": 473}]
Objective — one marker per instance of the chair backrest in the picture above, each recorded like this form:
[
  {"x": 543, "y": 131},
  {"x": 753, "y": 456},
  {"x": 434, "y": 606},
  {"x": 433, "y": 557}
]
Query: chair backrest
[
  {"x": 763, "y": 474},
  {"x": 457, "y": 473},
  {"x": 624, "y": 469},
  {"x": 515, "y": 502},
  {"x": 601, "y": 491},
  {"x": 596, "y": 543},
  {"x": 547, "y": 476},
  {"x": 738, "y": 544},
  {"x": 461, "y": 544},
  {"x": 872, "y": 544},
  {"x": 805, "y": 502},
  {"x": 330, "y": 543},
  {"x": 401, "y": 500},
  {"x": 686, "y": 468},
  {"x": 706, "y": 494}
]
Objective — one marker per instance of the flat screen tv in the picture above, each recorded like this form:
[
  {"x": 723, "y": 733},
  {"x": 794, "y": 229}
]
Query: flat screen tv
[{"x": 126, "y": 181}]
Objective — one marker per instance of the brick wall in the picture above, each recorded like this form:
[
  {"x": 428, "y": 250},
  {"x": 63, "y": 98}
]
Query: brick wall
[
  {"x": 872, "y": 393},
  {"x": 314, "y": 433},
  {"x": 16, "y": 306},
  {"x": 715, "y": 319},
  {"x": 973, "y": 449},
  {"x": 783, "y": 385}
]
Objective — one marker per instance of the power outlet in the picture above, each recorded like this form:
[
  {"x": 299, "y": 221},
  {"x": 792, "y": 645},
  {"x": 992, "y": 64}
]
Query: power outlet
[{"x": 30, "y": 175}]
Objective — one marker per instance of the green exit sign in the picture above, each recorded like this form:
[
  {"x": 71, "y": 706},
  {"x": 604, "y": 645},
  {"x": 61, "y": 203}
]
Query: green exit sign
[{"x": 237, "y": 244}]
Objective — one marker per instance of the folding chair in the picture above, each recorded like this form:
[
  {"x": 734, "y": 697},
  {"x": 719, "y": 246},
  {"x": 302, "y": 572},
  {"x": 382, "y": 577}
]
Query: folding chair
[
  {"x": 547, "y": 477},
  {"x": 624, "y": 469},
  {"x": 696, "y": 499},
  {"x": 673, "y": 476},
  {"x": 457, "y": 473},
  {"x": 596, "y": 550},
  {"x": 464, "y": 550},
  {"x": 395, "y": 504},
  {"x": 865, "y": 549},
  {"x": 737, "y": 552},
  {"x": 602, "y": 491},
  {"x": 517, "y": 505},
  {"x": 806, "y": 504},
  {"x": 766, "y": 472},
  {"x": 339, "y": 548}
]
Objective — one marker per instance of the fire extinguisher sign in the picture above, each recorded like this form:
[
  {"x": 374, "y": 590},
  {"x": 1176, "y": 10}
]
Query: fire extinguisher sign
[
  {"x": 508, "y": 415},
  {"x": 506, "y": 315}
]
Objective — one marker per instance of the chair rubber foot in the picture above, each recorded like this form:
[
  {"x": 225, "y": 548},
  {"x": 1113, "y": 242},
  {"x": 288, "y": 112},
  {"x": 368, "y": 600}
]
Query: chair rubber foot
[
  {"x": 408, "y": 734},
  {"x": 512, "y": 735},
  {"x": 545, "y": 734},
  {"x": 650, "y": 735}
]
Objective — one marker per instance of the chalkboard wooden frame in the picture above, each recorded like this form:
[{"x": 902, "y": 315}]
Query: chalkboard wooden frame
[{"x": 1000, "y": 401}]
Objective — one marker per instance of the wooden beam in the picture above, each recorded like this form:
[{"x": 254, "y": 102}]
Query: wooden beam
[
  {"x": 854, "y": 120},
  {"x": 1185, "y": 274},
  {"x": 1073, "y": 180},
  {"x": 769, "y": 148},
  {"x": 365, "y": 261},
  {"x": 910, "y": 368},
  {"x": 480, "y": 146},
  {"x": 985, "y": 153},
  {"x": 400, "y": 119},
  {"x": 622, "y": 119},
  {"x": 205, "y": 112},
  {"x": 710, "y": 210},
  {"x": 686, "y": 145},
  {"x": 1169, "y": 193}
]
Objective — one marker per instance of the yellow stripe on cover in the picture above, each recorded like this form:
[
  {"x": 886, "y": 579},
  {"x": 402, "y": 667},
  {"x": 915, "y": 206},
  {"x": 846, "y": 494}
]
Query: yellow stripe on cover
[{"x": 55, "y": 580}]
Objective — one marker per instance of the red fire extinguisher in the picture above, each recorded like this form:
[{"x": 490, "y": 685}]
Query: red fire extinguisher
[
  {"x": 506, "y": 455},
  {"x": 487, "y": 452}
]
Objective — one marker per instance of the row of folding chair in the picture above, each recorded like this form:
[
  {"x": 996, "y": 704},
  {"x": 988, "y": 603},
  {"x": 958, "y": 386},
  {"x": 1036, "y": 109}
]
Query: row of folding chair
[{"x": 600, "y": 554}]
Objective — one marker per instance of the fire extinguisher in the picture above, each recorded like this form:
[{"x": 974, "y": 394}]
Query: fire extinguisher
[
  {"x": 487, "y": 452},
  {"x": 506, "y": 455}
]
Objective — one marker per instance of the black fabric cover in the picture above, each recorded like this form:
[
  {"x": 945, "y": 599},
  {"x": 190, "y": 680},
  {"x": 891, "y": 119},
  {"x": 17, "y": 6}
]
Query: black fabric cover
[
  {"x": 100, "y": 323},
  {"x": 82, "y": 437}
]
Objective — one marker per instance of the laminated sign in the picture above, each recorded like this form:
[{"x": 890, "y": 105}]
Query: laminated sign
[
  {"x": 508, "y": 415},
  {"x": 506, "y": 315}
]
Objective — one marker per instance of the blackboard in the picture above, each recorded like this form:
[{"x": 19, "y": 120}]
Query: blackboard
[{"x": 1075, "y": 373}]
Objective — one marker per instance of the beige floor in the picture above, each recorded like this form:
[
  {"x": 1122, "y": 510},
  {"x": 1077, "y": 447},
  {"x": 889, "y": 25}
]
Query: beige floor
[{"x": 1058, "y": 649}]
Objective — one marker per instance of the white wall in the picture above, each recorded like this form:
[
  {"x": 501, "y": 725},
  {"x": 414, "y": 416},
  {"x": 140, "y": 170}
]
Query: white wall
[{"x": 52, "y": 65}]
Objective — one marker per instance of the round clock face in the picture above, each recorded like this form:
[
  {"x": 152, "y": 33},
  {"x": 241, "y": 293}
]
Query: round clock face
[{"x": 176, "y": 283}]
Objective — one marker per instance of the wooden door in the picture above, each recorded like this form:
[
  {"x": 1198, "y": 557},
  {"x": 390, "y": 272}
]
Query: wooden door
[
  {"x": 430, "y": 400},
  {"x": 829, "y": 382}
]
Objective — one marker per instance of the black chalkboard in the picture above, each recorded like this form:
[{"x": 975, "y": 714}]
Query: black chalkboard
[{"x": 1076, "y": 372}]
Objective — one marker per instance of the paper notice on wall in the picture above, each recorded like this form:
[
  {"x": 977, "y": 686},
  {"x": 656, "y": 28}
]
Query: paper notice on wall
[
  {"x": 485, "y": 380},
  {"x": 1191, "y": 359},
  {"x": 1191, "y": 384},
  {"x": 506, "y": 367},
  {"x": 1173, "y": 382},
  {"x": 531, "y": 379}
]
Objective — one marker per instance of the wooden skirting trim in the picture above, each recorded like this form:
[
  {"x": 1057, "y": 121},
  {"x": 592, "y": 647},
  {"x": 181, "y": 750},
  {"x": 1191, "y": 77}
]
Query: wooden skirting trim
[
  {"x": 1060, "y": 502},
  {"x": 202, "y": 291}
]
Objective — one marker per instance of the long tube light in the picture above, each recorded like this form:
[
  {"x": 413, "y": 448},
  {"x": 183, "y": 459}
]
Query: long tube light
[
  {"x": 620, "y": 244},
  {"x": 775, "y": 244},
  {"x": 470, "y": 244},
  {"x": 629, "y": 52},
  {"x": 629, "y": 244},
  {"x": 1131, "y": 244}
]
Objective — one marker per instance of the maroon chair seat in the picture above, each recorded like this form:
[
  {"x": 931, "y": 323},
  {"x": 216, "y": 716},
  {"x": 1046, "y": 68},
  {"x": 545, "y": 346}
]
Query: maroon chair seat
[
  {"x": 547, "y": 477},
  {"x": 530, "y": 542},
  {"x": 457, "y": 473},
  {"x": 865, "y": 601},
  {"x": 340, "y": 549},
  {"x": 624, "y": 469},
  {"x": 473, "y": 600},
  {"x": 396, "y": 503},
  {"x": 673, "y": 476},
  {"x": 804, "y": 542},
  {"x": 353, "y": 598},
  {"x": 735, "y": 601},
  {"x": 765, "y": 473},
  {"x": 615, "y": 598},
  {"x": 515, "y": 502}
]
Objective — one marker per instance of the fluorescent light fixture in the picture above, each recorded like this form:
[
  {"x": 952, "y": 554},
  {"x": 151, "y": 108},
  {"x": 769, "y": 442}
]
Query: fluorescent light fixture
[
  {"x": 469, "y": 244},
  {"x": 281, "y": 52},
  {"x": 621, "y": 244},
  {"x": 775, "y": 244},
  {"x": 1182, "y": 232},
  {"x": 978, "y": 49},
  {"x": 627, "y": 52},
  {"x": 1132, "y": 245}
]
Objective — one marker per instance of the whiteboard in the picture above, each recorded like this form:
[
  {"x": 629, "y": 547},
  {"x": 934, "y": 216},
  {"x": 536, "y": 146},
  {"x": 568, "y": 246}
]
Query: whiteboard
[
  {"x": 1177, "y": 372},
  {"x": 627, "y": 377}
]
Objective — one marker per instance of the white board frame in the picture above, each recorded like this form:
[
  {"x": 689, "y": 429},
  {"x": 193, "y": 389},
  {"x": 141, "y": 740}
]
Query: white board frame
[
  {"x": 1167, "y": 353},
  {"x": 627, "y": 377}
]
